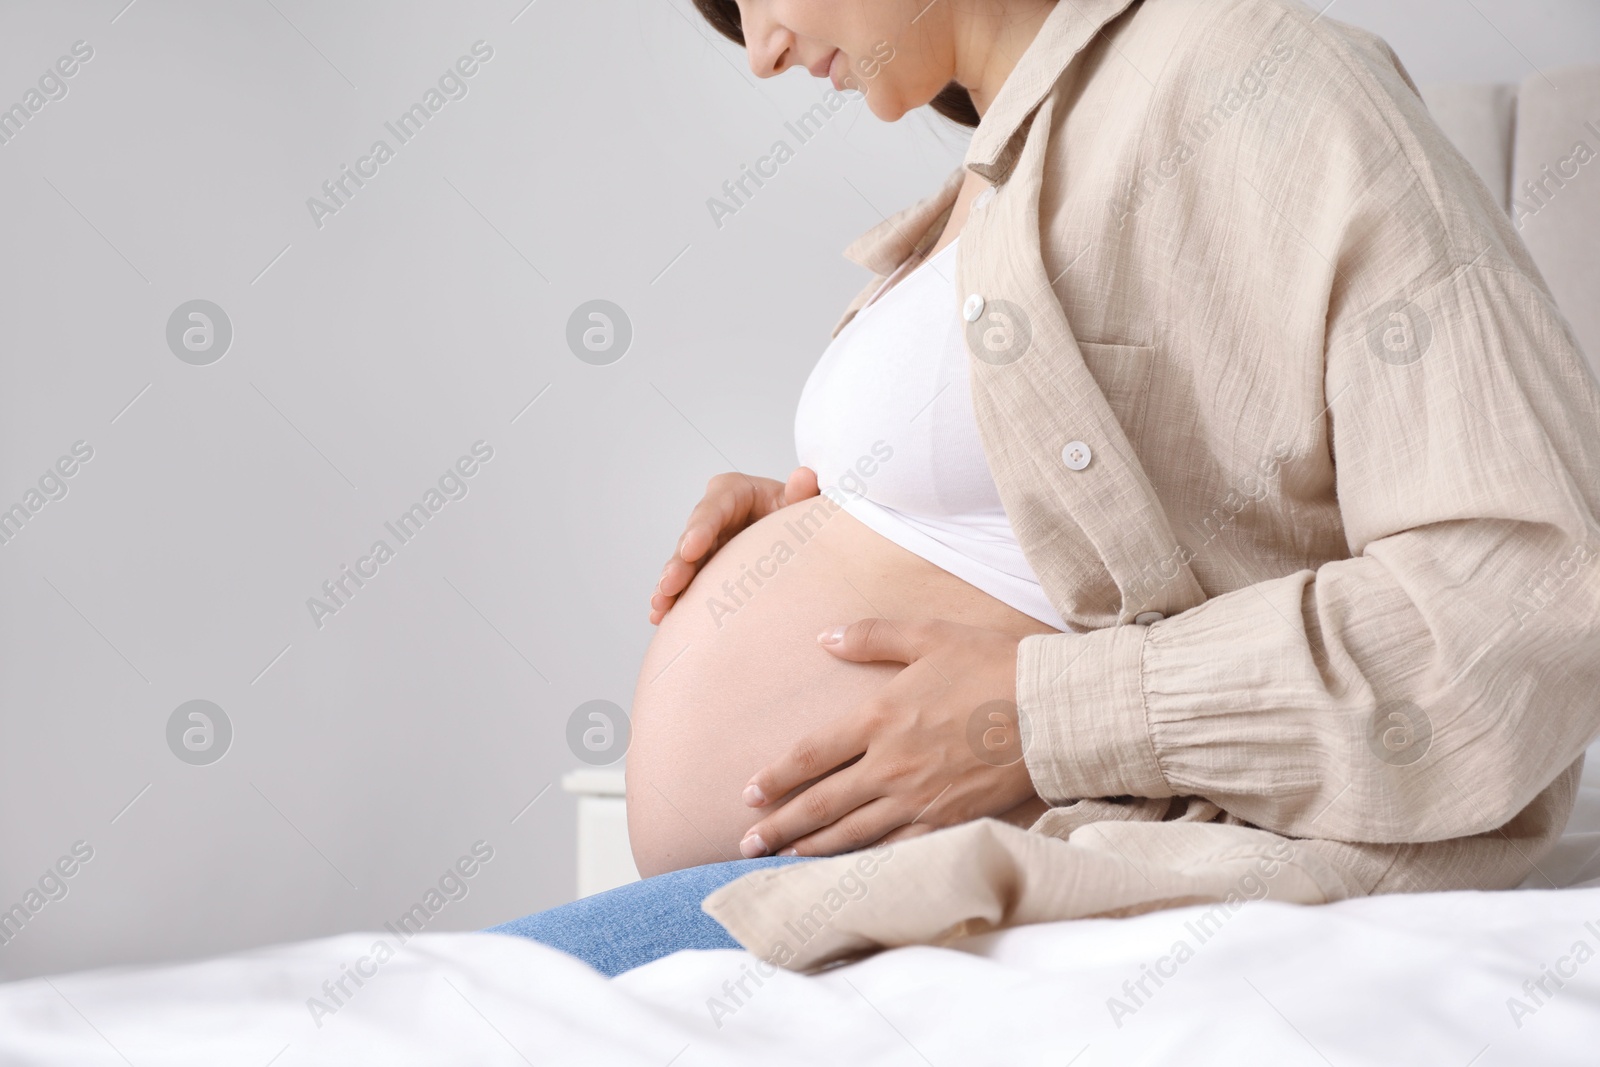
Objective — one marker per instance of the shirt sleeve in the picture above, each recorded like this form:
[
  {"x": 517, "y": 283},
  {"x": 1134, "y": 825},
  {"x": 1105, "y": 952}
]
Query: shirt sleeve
[{"x": 1433, "y": 683}]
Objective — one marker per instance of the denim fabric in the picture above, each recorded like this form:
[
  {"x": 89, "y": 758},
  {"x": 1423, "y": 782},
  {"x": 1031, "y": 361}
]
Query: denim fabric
[{"x": 631, "y": 925}]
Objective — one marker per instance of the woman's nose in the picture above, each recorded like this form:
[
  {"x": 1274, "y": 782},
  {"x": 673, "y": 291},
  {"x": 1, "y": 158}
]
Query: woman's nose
[
  {"x": 767, "y": 67},
  {"x": 771, "y": 50}
]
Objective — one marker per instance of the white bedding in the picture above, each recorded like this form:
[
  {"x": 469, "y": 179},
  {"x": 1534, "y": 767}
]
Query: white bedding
[{"x": 1416, "y": 979}]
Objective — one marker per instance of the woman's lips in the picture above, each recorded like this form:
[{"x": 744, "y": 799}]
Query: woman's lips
[{"x": 833, "y": 63}]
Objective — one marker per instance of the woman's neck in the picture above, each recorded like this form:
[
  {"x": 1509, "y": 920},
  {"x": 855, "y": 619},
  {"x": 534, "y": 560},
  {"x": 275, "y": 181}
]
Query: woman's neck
[{"x": 990, "y": 39}]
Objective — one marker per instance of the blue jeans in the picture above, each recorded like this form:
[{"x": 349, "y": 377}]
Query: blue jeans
[{"x": 631, "y": 925}]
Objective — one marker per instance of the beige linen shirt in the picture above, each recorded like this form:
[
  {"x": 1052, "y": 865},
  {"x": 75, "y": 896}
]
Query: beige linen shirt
[{"x": 1291, "y": 431}]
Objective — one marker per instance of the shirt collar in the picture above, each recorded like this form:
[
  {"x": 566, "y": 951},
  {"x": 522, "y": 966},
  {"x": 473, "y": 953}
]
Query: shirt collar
[
  {"x": 886, "y": 245},
  {"x": 996, "y": 142},
  {"x": 1070, "y": 26}
]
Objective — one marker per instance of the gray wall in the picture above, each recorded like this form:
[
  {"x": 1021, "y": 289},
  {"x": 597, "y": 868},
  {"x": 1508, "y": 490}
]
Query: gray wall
[{"x": 368, "y": 354}]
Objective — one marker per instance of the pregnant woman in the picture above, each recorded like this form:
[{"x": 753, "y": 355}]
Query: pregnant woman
[{"x": 1206, "y": 481}]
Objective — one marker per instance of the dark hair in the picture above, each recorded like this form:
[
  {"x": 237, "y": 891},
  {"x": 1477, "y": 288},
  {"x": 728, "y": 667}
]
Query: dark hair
[{"x": 953, "y": 101}]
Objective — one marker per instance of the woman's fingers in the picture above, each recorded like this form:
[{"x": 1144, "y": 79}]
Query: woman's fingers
[
  {"x": 729, "y": 500},
  {"x": 877, "y": 819},
  {"x": 732, "y": 501},
  {"x": 802, "y": 485},
  {"x": 680, "y": 571},
  {"x": 811, "y": 757},
  {"x": 826, "y": 789},
  {"x": 822, "y": 805}
]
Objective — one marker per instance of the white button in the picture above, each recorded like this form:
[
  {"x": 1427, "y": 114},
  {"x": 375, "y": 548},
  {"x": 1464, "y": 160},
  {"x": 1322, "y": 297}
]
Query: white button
[
  {"x": 1076, "y": 455},
  {"x": 1148, "y": 617},
  {"x": 972, "y": 310},
  {"x": 984, "y": 197}
]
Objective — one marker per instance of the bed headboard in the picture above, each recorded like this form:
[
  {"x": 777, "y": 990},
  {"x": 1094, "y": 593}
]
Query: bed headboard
[{"x": 1537, "y": 148}]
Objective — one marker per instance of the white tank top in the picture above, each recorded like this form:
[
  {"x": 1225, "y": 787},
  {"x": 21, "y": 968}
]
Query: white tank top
[{"x": 886, "y": 421}]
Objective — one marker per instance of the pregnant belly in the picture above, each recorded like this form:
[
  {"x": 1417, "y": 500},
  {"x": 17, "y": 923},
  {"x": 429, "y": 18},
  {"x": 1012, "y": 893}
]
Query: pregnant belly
[{"x": 734, "y": 674}]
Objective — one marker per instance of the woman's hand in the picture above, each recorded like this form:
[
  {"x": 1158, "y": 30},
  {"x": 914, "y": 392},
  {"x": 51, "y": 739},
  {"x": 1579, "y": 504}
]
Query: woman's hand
[
  {"x": 938, "y": 746},
  {"x": 732, "y": 502}
]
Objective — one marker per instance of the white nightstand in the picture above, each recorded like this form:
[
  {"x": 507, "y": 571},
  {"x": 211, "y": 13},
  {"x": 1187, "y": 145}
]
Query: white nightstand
[{"x": 604, "y": 859}]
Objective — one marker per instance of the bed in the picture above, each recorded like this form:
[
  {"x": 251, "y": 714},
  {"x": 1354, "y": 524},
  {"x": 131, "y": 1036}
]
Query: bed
[{"x": 1454, "y": 979}]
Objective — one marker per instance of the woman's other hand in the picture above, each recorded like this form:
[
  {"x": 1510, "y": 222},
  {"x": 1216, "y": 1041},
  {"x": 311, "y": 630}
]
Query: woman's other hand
[
  {"x": 732, "y": 502},
  {"x": 938, "y": 746}
]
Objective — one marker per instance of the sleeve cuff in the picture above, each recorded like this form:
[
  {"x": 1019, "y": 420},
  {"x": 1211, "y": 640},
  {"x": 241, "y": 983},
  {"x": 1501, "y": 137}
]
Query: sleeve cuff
[{"x": 1081, "y": 715}]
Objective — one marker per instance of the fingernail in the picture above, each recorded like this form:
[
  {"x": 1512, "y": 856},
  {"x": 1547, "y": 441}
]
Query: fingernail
[
  {"x": 788, "y": 852},
  {"x": 752, "y": 846},
  {"x": 831, "y": 637},
  {"x": 753, "y": 795}
]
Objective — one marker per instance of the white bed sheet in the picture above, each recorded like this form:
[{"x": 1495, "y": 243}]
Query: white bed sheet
[{"x": 1409, "y": 979}]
